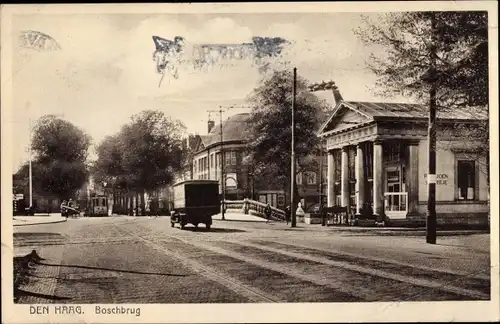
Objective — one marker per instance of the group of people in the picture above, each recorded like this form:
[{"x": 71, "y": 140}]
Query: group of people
[{"x": 68, "y": 208}]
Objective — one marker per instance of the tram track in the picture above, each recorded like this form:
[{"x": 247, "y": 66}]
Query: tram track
[
  {"x": 253, "y": 294},
  {"x": 360, "y": 293}
]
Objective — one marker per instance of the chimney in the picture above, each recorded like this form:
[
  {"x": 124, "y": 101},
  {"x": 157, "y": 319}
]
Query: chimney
[
  {"x": 337, "y": 97},
  {"x": 211, "y": 125}
]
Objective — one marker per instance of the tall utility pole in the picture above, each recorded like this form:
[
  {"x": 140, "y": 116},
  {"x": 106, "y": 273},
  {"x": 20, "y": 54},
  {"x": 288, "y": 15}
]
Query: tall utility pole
[
  {"x": 431, "y": 135},
  {"x": 222, "y": 174},
  {"x": 30, "y": 167},
  {"x": 292, "y": 166}
]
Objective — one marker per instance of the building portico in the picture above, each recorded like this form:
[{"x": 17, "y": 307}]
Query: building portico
[{"x": 376, "y": 155}]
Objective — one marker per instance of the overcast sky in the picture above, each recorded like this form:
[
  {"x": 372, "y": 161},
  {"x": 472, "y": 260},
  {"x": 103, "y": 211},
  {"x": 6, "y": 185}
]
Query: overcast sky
[{"x": 104, "y": 72}]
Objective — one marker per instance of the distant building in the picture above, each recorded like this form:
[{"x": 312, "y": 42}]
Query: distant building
[{"x": 377, "y": 163}]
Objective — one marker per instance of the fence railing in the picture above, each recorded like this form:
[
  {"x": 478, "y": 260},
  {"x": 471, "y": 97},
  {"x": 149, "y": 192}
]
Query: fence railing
[{"x": 253, "y": 207}]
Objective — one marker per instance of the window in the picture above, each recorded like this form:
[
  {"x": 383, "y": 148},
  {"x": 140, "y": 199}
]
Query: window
[
  {"x": 311, "y": 178},
  {"x": 337, "y": 160},
  {"x": 351, "y": 162},
  {"x": 466, "y": 180},
  {"x": 368, "y": 156},
  {"x": 233, "y": 158},
  {"x": 227, "y": 158},
  {"x": 392, "y": 152}
]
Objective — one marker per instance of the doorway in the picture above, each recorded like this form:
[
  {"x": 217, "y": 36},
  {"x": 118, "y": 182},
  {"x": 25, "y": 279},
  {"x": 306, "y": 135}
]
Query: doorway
[{"x": 396, "y": 197}]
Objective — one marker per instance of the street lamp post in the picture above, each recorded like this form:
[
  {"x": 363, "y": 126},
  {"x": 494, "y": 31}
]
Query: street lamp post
[
  {"x": 292, "y": 166},
  {"x": 222, "y": 173},
  {"x": 30, "y": 167}
]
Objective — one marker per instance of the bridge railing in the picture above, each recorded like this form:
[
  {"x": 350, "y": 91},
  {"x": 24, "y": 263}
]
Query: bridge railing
[{"x": 253, "y": 207}]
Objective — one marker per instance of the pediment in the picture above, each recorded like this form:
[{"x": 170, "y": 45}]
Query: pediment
[{"x": 344, "y": 117}]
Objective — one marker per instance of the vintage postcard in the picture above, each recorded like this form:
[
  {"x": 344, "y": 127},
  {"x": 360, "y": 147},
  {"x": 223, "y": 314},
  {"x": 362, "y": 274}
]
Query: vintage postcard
[{"x": 250, "y": 162}]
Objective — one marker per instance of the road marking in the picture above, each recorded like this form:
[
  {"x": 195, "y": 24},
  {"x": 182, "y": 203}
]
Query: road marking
[
  {"x": 253, "y": 294},
  {"x": 374, "y": 272}
]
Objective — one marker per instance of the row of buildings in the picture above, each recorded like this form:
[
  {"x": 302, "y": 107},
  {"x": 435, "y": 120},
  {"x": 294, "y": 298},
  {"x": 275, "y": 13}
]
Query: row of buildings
[{"x": 374, "y": 163}]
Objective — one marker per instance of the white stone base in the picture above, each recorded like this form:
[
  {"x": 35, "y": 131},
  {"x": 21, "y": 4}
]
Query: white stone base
[{"x": 309, "y": 219}]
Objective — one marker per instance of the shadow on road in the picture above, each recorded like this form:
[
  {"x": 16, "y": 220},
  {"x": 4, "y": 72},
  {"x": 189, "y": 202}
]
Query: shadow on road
[
  {"x": 213, "y": 230},
  {"x": 112, "y": 270},
  {"x": 44, "y": 235},
  {"x": 18, "y": 293}
]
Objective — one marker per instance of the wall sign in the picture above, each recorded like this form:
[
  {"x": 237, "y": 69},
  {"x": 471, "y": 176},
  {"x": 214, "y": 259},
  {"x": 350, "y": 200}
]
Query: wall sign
[{"x": 440, "y": 179}]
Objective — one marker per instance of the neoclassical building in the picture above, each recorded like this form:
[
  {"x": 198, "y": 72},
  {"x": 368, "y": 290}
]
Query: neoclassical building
[{"x": 377, "y": 163}]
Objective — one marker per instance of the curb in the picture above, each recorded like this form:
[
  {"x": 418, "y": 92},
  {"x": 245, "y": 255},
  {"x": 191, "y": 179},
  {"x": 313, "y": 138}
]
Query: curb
[{"x": 41, "y": 223}]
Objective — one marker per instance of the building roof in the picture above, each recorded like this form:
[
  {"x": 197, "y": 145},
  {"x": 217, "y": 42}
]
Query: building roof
[
  {"x": 233, "y": 129},
  {"x": 401, "y": 110},
  {"x": 358, "y": 113}
]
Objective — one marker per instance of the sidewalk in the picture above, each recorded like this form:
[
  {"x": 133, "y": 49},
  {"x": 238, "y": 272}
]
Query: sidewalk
[
  {"x": 405, "y": 231},
  {"x": 353, "y": 230},
  {"x": 37, "y": 219}
]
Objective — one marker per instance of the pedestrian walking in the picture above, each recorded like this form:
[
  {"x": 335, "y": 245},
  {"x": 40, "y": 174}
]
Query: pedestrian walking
[
  {"x": 267, "y": 212},
  {"x": 287, "y": 214},
  {"x": 64, "y": 212},
  {"x": 71, "y": 209}
]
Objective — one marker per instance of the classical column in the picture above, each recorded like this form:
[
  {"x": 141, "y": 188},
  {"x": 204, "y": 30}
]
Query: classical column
[
  {"x": 378, "y": 181},
  {"x": 412, "y": 178},
  {"x": 344, "y": 187},
  {"x": 331, "y": 179},
  {"x": 360, "y": 179}
]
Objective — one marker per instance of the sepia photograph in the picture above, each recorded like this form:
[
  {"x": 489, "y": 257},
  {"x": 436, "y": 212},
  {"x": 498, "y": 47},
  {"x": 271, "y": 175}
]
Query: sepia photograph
[{"x": 231, "y": 156}]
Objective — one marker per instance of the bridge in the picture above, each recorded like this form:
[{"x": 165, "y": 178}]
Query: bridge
[{"x": 253, "y": 207}]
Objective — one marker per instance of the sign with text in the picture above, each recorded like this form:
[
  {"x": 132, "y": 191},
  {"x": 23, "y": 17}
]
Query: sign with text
[{"x": 441, "y": 179}]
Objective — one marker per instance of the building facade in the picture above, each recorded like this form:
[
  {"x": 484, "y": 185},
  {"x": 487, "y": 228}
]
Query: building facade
[
  {"x": 240, "y": 182},
  {"x": 377, "y": 164}
]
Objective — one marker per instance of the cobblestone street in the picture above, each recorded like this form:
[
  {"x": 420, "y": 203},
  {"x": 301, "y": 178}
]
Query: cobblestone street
[{"x": 144, "y": 260}]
